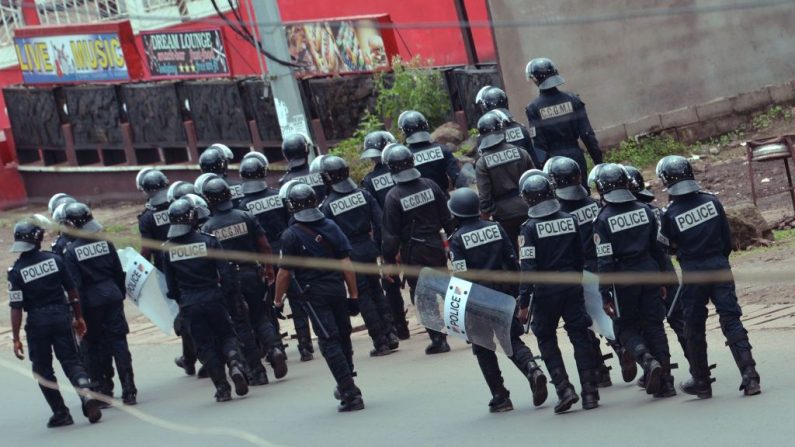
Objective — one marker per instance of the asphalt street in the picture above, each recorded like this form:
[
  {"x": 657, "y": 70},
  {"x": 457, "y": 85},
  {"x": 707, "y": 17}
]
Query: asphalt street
[{"x": 413, "y": 399}]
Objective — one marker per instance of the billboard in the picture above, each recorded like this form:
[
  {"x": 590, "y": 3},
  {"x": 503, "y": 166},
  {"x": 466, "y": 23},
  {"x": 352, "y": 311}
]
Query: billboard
[
  {"x": 343, "y": 46},
  {"x": 185, "y": 54},
  {"x": 71, "y": 58}
]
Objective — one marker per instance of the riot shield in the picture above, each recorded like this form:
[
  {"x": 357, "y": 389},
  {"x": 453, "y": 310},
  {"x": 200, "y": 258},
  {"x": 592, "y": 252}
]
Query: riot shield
[
  {"x": 466, "y": 310},
  {"x": 602, "y": 323},
  {"x": 146, "y": 288}
]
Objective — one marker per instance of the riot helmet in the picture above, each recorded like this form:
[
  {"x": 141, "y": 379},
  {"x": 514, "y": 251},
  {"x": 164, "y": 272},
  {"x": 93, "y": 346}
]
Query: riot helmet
[
  {"x": 213, "y": 160},
  {"x": 78, "y": 215},
  {"x": 375, "y": 142},
  {"x": 182, "y": 215},
  {"x": 253, "y": 171},
  {"x": 464, "y": 203},
  {"x": 155, "y": 184},
  {"x": 612, "y": 183},
  {"x": 566, "y": 175},
  {"x": 414, "y": 126},
  {"x": 302, "y": 203},
  {"x": 202, "y": 180},
  {"x": 637, "y": 185},
  {"x": 531, "y": 172},
  {"x": 295, "y": 149},
  {"x": 677, "y": 175},
  {"x": 202, "y": 209},
  {"x": 336, "y": 174},
  {"x": 400, "y": 162},
  {"x": 544, "y": 73},
  {"x": 28, "y": 235},
  {"x": 218, "y": 194},
  {"x": 179, "y": 189},
  {"x": 490, "y": 98},
  {"x": 58, "y": 199},
  {"x": 491, "y": 129},
  {"x": 539, "y": 193}
]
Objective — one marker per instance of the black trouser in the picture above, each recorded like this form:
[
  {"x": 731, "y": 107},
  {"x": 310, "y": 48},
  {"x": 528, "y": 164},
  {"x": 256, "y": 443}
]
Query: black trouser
[
  {"x": 487, "y": 359},
  {"x": 182, "y": 329},
  {"x": 549, "y": 306},
  {"x": 254, "y": 290},
  {"x": 639, "y": 324},
  {"x": 106, "y": 337},
  {"x": 372, "y": 303},
  {"x": 394, "y": 299},
  {"x": 694, "y": 299},
  {"x": 429, "y": 254},
  {"x": 211, "y": 329},
  {"x": 245, "y": 334},
  {"x": 49, "y": 329},
  {"x": 512, "y": 227},
  {"x": 332, "y": 326}
]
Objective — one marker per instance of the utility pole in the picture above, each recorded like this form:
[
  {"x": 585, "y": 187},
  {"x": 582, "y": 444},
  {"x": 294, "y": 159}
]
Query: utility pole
[
  {"x": 286, "y": 94},
  {"x": 466, "y": 32}
]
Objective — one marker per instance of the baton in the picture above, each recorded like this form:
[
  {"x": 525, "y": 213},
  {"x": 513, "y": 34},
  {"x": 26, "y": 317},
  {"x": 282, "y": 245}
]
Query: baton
[
  {"x": 303, "y": 301},
  {"x": 676, "y": 298},
  {"x": 615, "y": 302},
  {"x": 529, "y": 315}
]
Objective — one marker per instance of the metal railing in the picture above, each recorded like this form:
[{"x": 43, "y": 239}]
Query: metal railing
[
  {"x": 154, "y": 5},
  {"x": 67, "y": 12},
  {"x": 10, "y": 18}
]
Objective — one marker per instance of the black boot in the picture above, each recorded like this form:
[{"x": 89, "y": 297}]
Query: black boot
[
  {"x": 91, "y": 406},
  {"x": 602, "y": 376},
  {"x": 700, "y": 382},
  {"x": 701, "y": 387},
  {"x": 60, "y": 418},
  {"x": 236, "y": 372},
  {"x": 305, "y": 349},
  {"x": 190, "y": 369},
  {"x": 629, "y": 369},
  {"x": 278, "y": 360},
  {"x": 667, "y": 388},
  {"x": 60, "y": 414},
  {"x": 438, "y": 344},
  {"x": 538, "y": 382},
  {"x": 258, "y": 375},
  {"x": 590, "y": 390},
  {"x": 350, "y": 397},
  {"x": 129, "y": 393},
  {"x": 652, "y": 372},
  {"x": 750, "y": 378},
  {"x": 566, "y": 394},
  {"x": 501, "y": 402},
  {"x": 402, "y": 331},
  {"x": 381, "y": 347},
  {"x": 223, "y": 392},
  {"x": 394, "y": 341},
  {"x": 202, "y": 373}
]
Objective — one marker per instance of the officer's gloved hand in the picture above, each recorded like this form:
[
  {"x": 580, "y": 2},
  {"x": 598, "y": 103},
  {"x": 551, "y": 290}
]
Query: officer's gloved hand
[
  {"x": 279, "y": 312},
  {"x": 353, "y": 306}
]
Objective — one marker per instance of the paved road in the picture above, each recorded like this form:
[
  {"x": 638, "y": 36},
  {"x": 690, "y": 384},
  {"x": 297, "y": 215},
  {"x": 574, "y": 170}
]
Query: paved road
[{"x": 416, "y": 400}]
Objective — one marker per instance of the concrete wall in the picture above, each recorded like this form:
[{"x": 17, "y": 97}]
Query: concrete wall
[{"x": 630, "y": 71}]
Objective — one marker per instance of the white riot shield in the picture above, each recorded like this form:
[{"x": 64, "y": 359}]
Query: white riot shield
[
  {"x": 602, "y": 323},
  {"x": 146, "y": 287},
  {"x": 462, "y": 309}
]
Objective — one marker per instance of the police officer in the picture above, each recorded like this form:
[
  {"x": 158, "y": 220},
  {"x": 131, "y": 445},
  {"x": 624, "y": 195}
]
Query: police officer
[
  {"x": 193, "y": 282},
  {"x": 378, "y": 182},
  {"x": 575, "y": 200},
  {"x": 237, "y": 230},
  {"x": 153, "y": 221},
  {"x": 359, "y": 216},
  {"x": 675, "y": 318},
  {"x": 36, "y": 285},
  {"x": 497, "y": 172},
  {"x": 322, "y": 291},
  {"x": 550, "y": 242},
  {"x": 56, "y": 206},
  {"x": 433, "y": 160},
  {"x": 179, "y": 189},
  {"x": 559, "y": 118},
  {"x": 696, "y": 228},
  {"x": 495, "y": 252},
  {"x": 215, "y": 160},
  {"x": 98, "y": 276},
  {"x": 415, "y": 211},
  {"x": 625, "y": 235},
  {"x": 295, "y": 149},
  {"x": 494, "y": 98}
]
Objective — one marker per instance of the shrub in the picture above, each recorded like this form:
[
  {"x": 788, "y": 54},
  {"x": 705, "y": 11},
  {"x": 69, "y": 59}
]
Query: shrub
[
  {"x": 645, "y": 152},
  {"x": 351, "y": 148}
]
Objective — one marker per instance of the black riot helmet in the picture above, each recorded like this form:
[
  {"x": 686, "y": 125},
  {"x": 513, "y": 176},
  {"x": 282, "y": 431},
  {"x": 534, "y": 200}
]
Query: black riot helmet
[
  {"x": 58, "y": 199},
  {"x": 182, "y": 215},
  {"x": 491, "y": 127},
  {"x": 677, "y": 175},
  {"x": 302, "y": 203},
  {"x": 213, "y": 160},
  {"x": 139, "y": 178},
  {"x": 400, "y": 162},
  {"x": 202, "y": 180},
  {"x": 612, "y": 183},
  {"x": 78, "y": 215},
  {"x": 295, "y": 149},
  {"x": 464, "y": 203},
  {"x": 258, "y": 155},
  {"x": 253, "y": 171},
  {"x": 201, "y": 207},
  {"x": 336, "y": 174},
  {"x": 531, "y": 172},
  {"x": 155, "y": 184},
  {"x": 566, "y": 176},
  {"x": 539, "y": 193},
  {"x": 179, "y": 189},
  {"x": 218, "y": 194},
  {"x": 28, "y": 235},
  {"x": 224, "y": 150},
  {"x": 375, "y": 142},
  {"x": 544, "y": 73},
  {"x": 490, "y": 98},
  {"x": 414, "y": 126},
  {"x": 637, "y": 185}
]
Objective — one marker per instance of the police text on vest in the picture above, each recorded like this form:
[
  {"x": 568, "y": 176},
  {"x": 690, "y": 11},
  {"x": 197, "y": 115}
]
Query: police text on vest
[
  {"x": 556, "y": 110},
  {"x": 555, "y": 227},
  {"x": 89, "y": 251},
  {"x": 501, "y": 157},
  {"x": 383, "y": 181},
  {"x": 347, "y": 203},
  {"x": 161, "y": 218},
  {"x": 185, "y": 252},
  {"x": 231, "y": 231},
  {"x": 40, "y": 270},
  {"x": 417, "y": 199},
  {"x": 428, "y": 156},
  {"x": 628, "y": 220},
  {"x": 480, "y": 237},
  {"x": 696, "y": 216},
  {"x": 265, "y": 204}
]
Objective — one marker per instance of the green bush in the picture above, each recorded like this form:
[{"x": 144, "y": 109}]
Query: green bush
[
  {"x": 645, "y": 152},
  {"x": 411, "y": 86},
  {"x": 350, "y": 149}
]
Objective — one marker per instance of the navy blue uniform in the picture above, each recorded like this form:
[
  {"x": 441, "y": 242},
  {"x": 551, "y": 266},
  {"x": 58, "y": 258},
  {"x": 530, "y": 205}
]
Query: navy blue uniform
[
  {"x": 153, "y": 224},
  {"x": 435, "y": 162},
  {"x": 59, "y": 245},
  {"x": 378, "y": 182},
  {"x": 553, "y": 244},
  {"x": 482, "y": 245},
  {"x": 98, "y": 276},
  {"x": 36, "y": 284},
  {"x": 695, "y": 226},
  {"x": 238, "y": 230},
  {"x": 236, "y": 189},
  {"x": 301, "y": 174},
  {"x": 559, "y": 119},
  {"x": 359, "y": 217},
  {"x": 626, "y": 241},
  {"x": 518, "y": 135},
  {"x": 325, "y": 291},
  {"x": 201, "y": 286}
]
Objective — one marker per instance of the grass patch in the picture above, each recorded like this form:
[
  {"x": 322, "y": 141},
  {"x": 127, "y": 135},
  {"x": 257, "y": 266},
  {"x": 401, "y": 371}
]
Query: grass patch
[
  {"x": 766, "y": 119},
  {"x": 646, "y": 151},
  {"x": 783, "y": 235}
]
